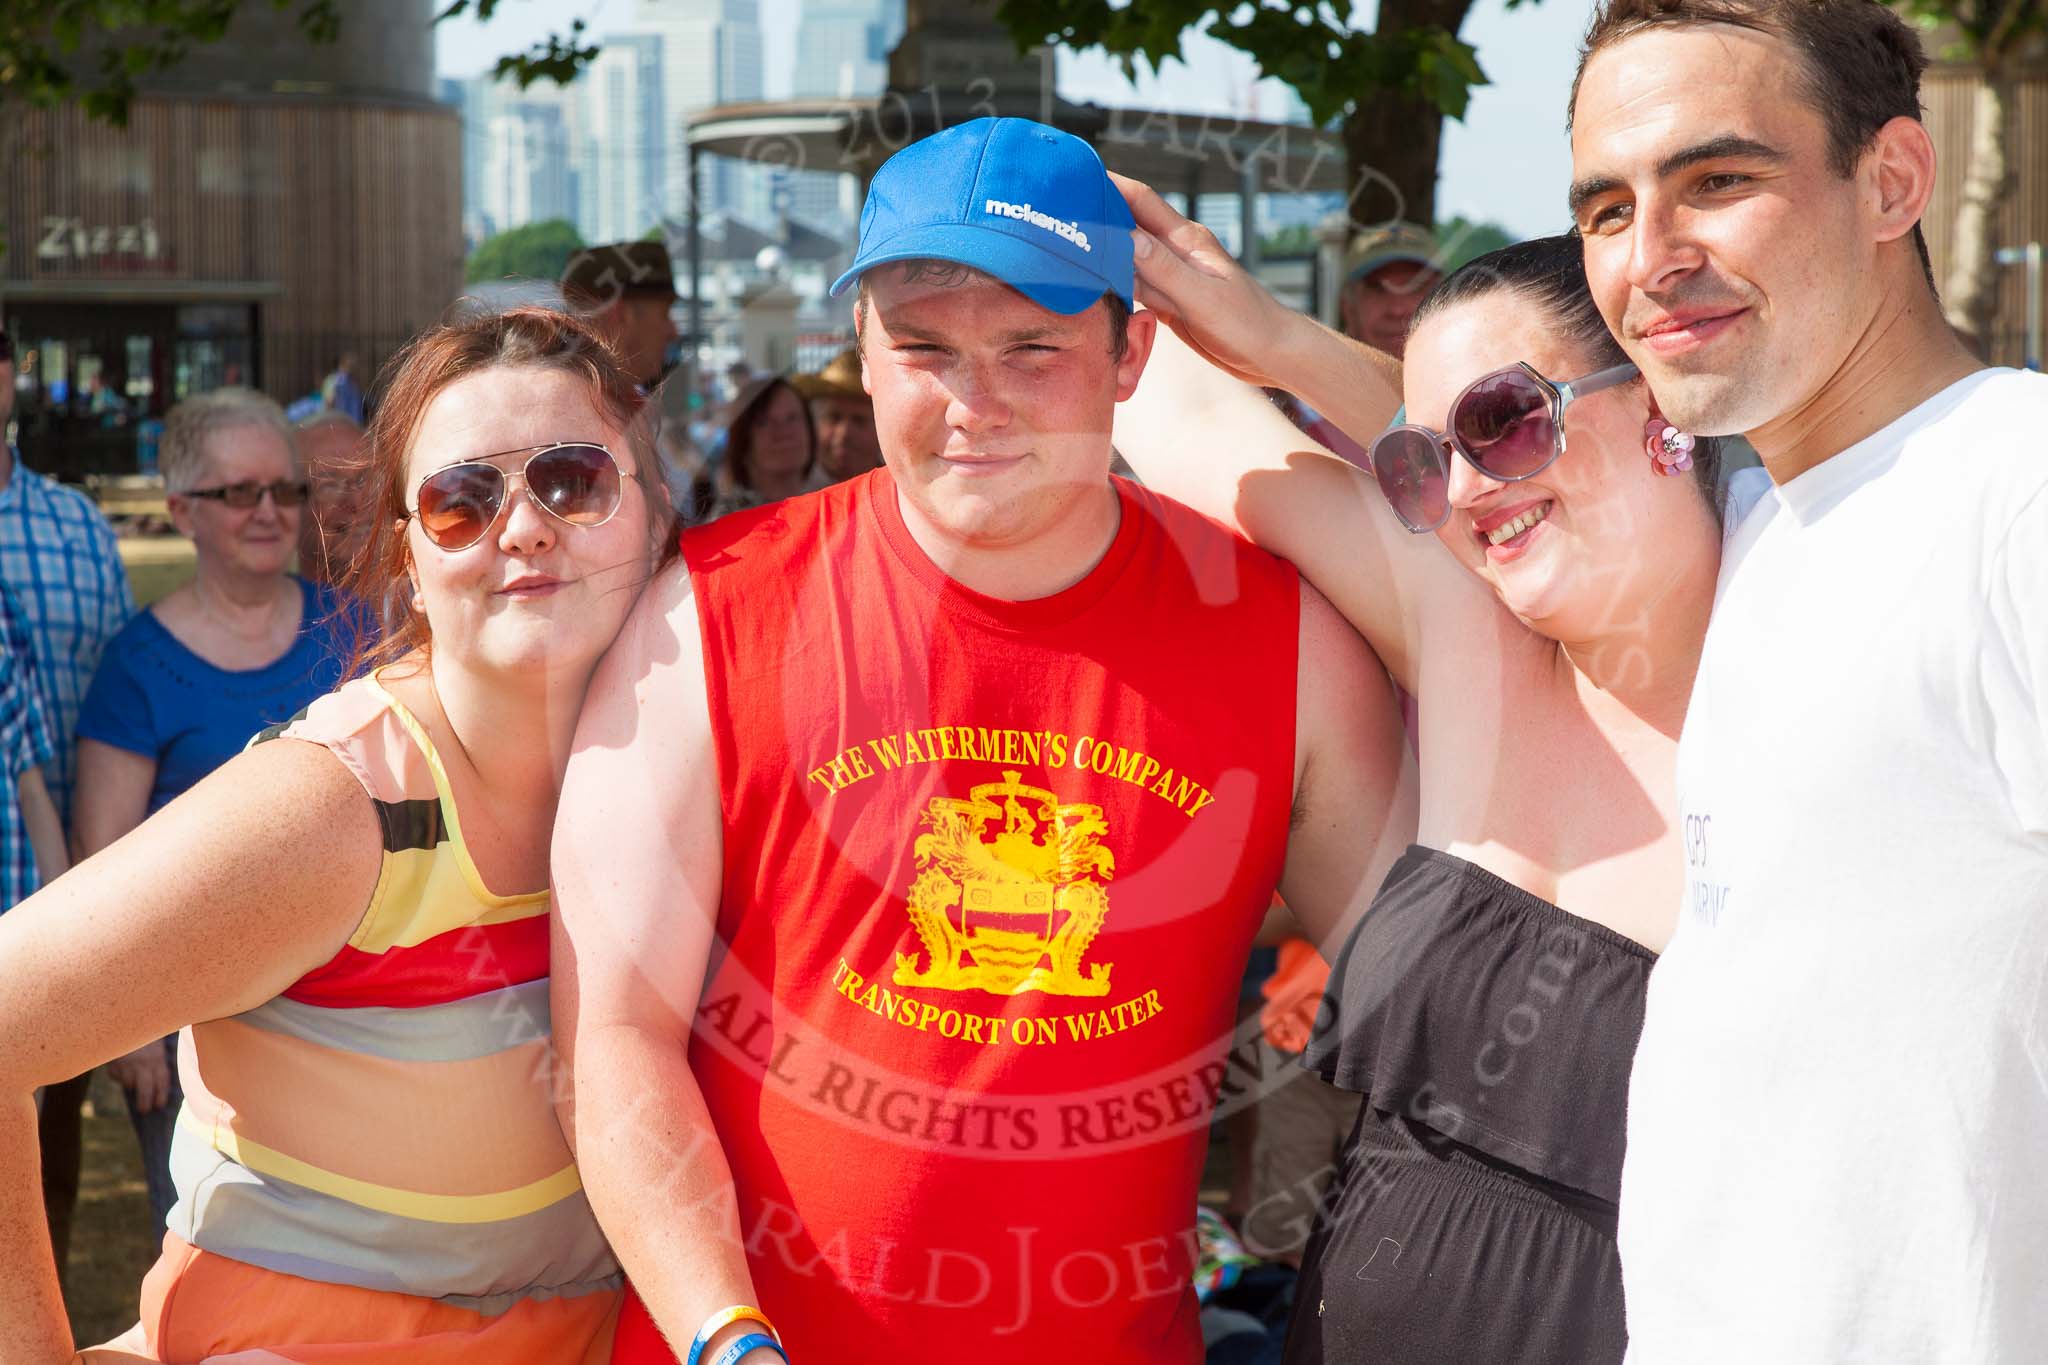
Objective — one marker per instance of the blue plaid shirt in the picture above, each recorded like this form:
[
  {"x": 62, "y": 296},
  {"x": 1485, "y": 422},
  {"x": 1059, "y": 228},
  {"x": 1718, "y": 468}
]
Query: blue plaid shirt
[
  {"x": 59, "y": 558},
  {"x": 24, "y": 744}
]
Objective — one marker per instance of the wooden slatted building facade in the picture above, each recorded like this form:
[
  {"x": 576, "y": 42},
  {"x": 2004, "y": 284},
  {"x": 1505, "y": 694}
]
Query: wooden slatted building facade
[{"x": 224, "y": 235}]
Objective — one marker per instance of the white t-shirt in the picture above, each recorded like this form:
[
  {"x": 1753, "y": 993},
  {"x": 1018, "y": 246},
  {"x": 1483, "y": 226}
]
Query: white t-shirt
[{"x": 1838, "y": 1122}]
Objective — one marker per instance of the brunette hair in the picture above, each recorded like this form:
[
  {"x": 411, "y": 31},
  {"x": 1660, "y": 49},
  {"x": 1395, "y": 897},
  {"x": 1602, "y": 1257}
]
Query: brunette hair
[
  {"x": 737, "y": 466},
  {"x": 528, "y": 337},
  {"x": 1550, "y": 272},
  {"x": 1862, "y": 62}
]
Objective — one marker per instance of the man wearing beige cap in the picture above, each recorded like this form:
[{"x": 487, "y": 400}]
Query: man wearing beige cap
[
  {"x": 844, "y": 417},
  {"x": 1386, "y": 273},
  {"x": 626, "y": 289}
]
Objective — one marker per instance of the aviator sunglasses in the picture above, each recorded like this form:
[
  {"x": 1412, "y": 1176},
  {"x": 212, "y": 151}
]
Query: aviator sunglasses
[
  {"x": 1508, "y": 425},
  {"x": 577, "y": 482}
]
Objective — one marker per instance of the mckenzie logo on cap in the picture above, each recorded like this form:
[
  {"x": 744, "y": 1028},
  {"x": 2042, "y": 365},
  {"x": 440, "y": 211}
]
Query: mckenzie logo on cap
[{"x": 1024, "y": 213}]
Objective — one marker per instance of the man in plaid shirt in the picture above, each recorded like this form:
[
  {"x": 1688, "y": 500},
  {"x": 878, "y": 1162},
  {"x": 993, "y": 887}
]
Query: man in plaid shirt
[
  {"x": 31, "y": 837},
  {"x": 59, "y": 559}
]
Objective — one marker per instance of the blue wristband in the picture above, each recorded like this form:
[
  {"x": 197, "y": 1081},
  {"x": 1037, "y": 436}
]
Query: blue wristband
[
  {"x": 724, "y": 1318},
  {"x": 736, "y": 1351}
]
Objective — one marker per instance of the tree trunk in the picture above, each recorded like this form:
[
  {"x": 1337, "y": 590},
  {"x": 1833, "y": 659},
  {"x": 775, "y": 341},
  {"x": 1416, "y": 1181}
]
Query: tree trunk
[
  {"x": 1390, "y": 150},
  {"x": 1970, "y": 293},
  {"x": 1391, "y": 139}
]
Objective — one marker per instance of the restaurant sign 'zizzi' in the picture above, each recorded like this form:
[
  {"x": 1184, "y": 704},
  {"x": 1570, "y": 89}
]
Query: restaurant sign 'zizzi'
[{"x": 74, "y": 239}]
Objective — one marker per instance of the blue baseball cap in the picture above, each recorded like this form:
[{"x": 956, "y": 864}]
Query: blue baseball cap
[{"x": 1028, "y": 204}]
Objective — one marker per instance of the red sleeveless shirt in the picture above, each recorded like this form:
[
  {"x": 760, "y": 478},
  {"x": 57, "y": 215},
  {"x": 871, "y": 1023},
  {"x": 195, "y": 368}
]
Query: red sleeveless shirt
[{"x": 992, "y": 870}]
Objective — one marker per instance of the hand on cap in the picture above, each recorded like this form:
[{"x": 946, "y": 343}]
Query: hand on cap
[{"x": 1201, "y": 292}]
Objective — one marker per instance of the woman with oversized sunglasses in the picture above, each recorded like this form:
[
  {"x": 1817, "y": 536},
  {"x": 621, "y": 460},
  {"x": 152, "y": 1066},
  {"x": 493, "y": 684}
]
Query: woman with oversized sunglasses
[
  {"x": 1487, "y": 1006},
  {"x": 368, "y": 1161}
]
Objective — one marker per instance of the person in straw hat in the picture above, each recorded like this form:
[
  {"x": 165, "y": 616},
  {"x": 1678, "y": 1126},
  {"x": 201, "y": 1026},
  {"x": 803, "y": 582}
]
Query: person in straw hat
[{"x": 843, "y": 416}]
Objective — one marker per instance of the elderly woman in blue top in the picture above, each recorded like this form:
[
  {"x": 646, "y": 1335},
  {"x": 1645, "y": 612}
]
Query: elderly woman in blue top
[{"x": 186, "y": 684}]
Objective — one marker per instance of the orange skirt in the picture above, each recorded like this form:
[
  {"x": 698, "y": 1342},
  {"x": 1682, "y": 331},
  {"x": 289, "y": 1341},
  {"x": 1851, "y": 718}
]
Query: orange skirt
[{"x": 198, "y": 1307}]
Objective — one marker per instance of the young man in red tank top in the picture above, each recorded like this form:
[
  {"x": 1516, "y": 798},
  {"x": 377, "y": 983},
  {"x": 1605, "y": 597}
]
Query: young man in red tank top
[{"x": 918, "y": 828}]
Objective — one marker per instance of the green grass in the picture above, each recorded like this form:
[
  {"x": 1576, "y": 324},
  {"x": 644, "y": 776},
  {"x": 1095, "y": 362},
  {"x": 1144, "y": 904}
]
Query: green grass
[
  {"x": 111, "y": 1248},
  {"x": 149, "y": 582},
  {"x": 155, "y": 565}
]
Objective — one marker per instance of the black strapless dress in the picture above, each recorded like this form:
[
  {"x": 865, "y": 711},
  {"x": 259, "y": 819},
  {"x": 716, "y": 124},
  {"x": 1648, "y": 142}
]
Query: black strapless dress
[{"x": 1471, "y": 1221}]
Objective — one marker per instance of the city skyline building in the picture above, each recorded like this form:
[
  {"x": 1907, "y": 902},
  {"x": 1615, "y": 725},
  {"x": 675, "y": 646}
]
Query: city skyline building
[
  {"x": 687, "y": 56},
  {"x": 620, "y": 190},
  {"x": 523, "y": 159},
  {"x": 477, "y": 100},
  {"x": 842, "y": 46},
  {"x": 711, "y": 54},
  {"x": 842, "y": 50},
  {"x": 526, "y": 176},
  {"x": 610, "y": 152}
]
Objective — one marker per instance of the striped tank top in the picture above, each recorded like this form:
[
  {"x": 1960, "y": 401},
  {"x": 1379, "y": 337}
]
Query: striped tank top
[{"x": 387, "y": 1123}]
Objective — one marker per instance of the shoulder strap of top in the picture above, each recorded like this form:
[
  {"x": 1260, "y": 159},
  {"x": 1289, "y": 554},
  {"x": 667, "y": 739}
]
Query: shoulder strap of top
[
  {"x": 424, "y": 744},
  {"x": 389, "y": 751}
]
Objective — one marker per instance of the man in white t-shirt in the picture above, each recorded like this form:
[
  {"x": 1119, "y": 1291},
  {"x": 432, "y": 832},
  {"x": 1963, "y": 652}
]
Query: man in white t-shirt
[{"x": 1838, "y": 1126}]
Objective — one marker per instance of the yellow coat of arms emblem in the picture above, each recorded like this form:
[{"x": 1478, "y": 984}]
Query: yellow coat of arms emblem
[{"x": 1014, "y": 912}]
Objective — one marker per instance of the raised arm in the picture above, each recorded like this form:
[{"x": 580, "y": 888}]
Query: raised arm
[
  {"x": 1196, "y": 431},
  {"x": 1205, "y": 439},
  {"x": 637, "y": 867},
  {"x": 1355, "y": 780},
  {"x": 216, "y": 904},
  {"x": 1215, "y": 305}
]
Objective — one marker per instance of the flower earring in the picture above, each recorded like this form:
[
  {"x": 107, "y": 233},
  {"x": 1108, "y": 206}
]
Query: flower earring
[{"x": 1669, "y": 449}]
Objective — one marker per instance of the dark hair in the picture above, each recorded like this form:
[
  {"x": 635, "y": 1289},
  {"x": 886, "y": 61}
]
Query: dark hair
[
  {"x": 1550, "y": 272},
  {"x": 543, "y": 338},
  {"x": 1862, "y": 62},
  {"x": 947, "y": 273},
  {"x": 739, "y": 433}
]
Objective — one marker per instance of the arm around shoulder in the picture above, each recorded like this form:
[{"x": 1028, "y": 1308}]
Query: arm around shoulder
[
  {"x": 1200, "y": 436},
  {"x": 637, "y": 866},
  {"x": 1221, "y": 309}
]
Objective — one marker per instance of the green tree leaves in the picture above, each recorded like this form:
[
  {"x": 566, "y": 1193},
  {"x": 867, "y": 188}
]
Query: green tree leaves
[
  {"x": 94, "y": 51},
  {"x": 537, "y": 251}
]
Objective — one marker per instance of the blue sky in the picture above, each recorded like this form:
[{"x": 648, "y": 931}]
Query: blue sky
[{"x": 1508, "y": 162}]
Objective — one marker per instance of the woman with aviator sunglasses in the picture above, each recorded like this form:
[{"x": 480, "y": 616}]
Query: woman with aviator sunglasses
[
  {"x": 1487, "y": 1006},
  {"x": 368, "y": 1161}
]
